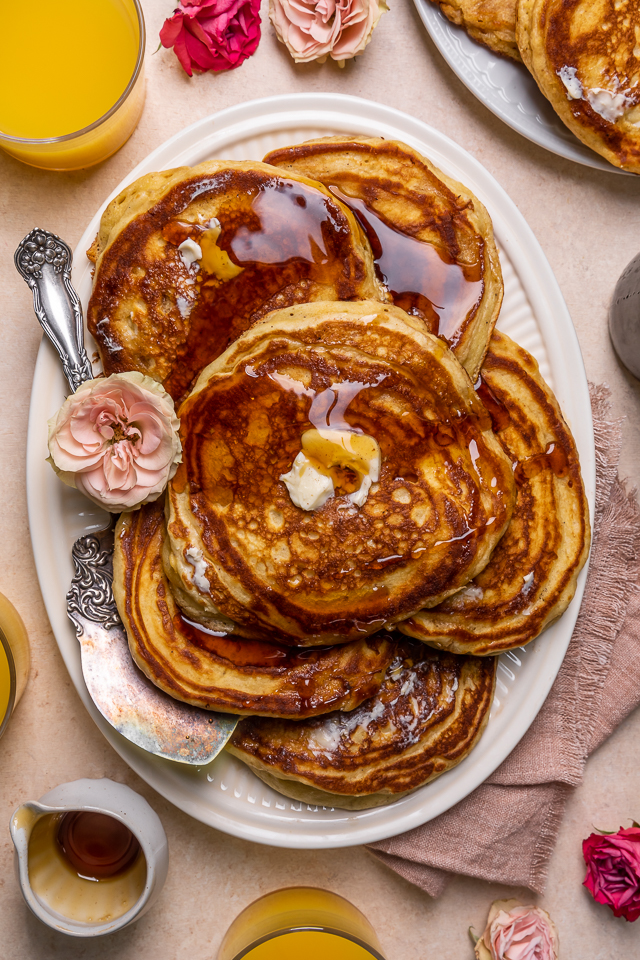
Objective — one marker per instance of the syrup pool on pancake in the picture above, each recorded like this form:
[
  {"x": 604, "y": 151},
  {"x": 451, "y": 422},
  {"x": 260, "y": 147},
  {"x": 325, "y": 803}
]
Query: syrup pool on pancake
[
  {"x": 277, "y": 237},
  {"x": 421, "y": 277},
  {"x": 432, "y": 238},
  {"x": 211, "y": 251}
]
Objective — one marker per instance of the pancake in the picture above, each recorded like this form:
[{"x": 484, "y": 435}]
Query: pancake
[
  {"x": 490, "y": 22},
  {"x": 428, "y": 715},
  {"x": 531, "y": 577},
  {"x": 431, "y": 237},
  {"x": 585, "y": 57},
  {"x": 265, "y": 240},
  {"x": 217, "y": 670},
  {"x": 427, "y": 524}
]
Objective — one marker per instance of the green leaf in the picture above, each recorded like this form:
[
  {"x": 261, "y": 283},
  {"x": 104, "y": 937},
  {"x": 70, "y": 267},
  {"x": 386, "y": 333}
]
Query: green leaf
[{"x": 474, "y": 937}]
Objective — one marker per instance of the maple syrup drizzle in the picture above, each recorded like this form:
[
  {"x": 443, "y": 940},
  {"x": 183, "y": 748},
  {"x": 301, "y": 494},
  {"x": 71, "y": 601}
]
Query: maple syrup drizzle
[
  {"x": 307, "y": 684},
  {"x": 554, "y": 458},
  {"x": 244, "y": 653},
  {"x": 97, "y": 846},
  {"x": 177, "y": 231},
  {"x": 500, "y": 416},
  {"x": 419, "y": 277},
  {"x": 283, "y": 235},
  {"x": 328, "y": 408}
]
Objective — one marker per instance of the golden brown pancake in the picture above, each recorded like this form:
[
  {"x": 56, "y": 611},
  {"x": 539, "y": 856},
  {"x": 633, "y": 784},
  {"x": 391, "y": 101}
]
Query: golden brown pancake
[
  {"x": 443, "y": 499},
  {"x": 531, "y": 577},
  {"x": 490, "y": 22},
  {"x": 220, "y": 671},
  {"x": 585, "y": 57},
  {"x": 431, "y": 237},
  {"x": 280, "y": 240},
  {"x": 426, "y": 718}
]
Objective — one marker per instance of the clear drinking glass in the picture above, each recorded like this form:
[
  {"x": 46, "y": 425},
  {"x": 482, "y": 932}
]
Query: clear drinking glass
[
  {"x": 14, "y": 660},
  {"x": 105, "y": 135},
  {"x": 300, "y": 923}
]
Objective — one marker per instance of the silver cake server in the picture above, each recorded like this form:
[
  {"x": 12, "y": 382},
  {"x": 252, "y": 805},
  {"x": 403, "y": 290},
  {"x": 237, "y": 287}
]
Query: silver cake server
[{"x": 124, "y": 696}]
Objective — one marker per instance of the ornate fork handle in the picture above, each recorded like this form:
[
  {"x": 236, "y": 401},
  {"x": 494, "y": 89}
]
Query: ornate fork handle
[{"x": 44, "y": 261}]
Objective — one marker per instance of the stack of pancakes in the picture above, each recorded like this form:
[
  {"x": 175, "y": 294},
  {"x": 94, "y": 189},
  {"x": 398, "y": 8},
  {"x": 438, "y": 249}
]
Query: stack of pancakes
[
  {"x": 584, "y": 56},
  {"x": 334, "y": 307}
]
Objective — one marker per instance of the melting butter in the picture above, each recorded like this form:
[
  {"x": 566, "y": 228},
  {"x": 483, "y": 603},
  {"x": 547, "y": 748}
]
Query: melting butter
[
  {"x": 308, "y": 488},
  {"x": 213, "y": 259},
  {"x": 189, "y": 251},
  {"x": 330, "y": 460}
]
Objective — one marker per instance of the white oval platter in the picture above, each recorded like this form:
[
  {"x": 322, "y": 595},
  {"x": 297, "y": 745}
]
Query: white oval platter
[
  {"x": 507, "y": 89},
  {"x": 225, "y": 794}
]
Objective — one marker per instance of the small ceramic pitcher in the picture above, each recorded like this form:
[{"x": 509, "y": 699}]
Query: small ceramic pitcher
[{"x": 95, "y": 796}]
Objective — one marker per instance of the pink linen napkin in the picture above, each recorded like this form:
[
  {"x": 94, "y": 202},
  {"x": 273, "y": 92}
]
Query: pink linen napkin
[{"x": 505, "y": 831}]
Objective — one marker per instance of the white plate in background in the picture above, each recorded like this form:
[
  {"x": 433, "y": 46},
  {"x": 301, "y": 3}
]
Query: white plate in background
[
  {"x": 226, "y": 794},
  {"x": 507, "y": 89}
]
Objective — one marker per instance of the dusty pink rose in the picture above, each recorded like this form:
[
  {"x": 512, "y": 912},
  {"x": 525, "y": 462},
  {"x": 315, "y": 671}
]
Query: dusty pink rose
[
  {"x": 613, "y": 871},
  {"x": 214, "y": 35},
  {"x": 316, "y": 29},
  {"x": 116, "y": 440},
  {"x": 516, "y": 932}
]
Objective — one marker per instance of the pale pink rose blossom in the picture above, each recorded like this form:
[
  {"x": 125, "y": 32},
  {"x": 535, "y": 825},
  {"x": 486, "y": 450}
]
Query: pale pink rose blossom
[
  {"x": 116, "y": 440},
  {"x": 517, "y": 932},
  {"x": 316, "y": 29}
]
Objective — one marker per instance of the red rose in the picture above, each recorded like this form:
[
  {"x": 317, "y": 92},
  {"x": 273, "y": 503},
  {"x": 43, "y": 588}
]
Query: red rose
[
  {"x": 613, "y": 871},
  {"x": 213, "y": 35}
]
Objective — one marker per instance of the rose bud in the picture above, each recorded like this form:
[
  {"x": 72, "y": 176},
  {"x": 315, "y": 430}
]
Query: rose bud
[
  {"x": 212, "y": 35},
  {"x": 316, "y": 29},
  {"x": 116, "y": 440},
  {"x": 613, "y": 870},
  {"x": 517, "y": 932}
]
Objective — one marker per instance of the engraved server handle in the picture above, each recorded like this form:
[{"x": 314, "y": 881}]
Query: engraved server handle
[{"x": 44, "y": 261}]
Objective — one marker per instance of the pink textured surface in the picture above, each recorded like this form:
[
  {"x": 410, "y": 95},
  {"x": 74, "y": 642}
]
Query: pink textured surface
[{"x": 586, "y": 222}]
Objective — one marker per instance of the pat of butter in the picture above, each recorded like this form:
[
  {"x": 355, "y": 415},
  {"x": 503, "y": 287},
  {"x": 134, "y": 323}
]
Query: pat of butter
[
  {"x": 214, "y": 259},
  {"x": 316, "y": 471},
  {"x": 572, "y": 83},
  {"x": 608, "y": 105},
  {"x": 196, "y": 558},
  {"x": 308, "y": 488},
  {"x": 190, "y": 251}
]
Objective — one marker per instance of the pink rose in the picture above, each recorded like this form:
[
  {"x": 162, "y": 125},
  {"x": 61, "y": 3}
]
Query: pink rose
[
  {"x": 516, "y": 932},
  {"x": 315, "y": 29},
  {"x": 213, "y": 35},
  {"x": 116, "y": 440},
  {"x": 613, "y": 871}
]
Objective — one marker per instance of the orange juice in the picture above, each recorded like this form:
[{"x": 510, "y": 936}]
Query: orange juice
[
  {"x": 300, "y": 923},
  {"x": 14, "y": 659},
  {"x": 7, "y": 683},
  {"x": 65, "y": 66},
  {"x": 309, "y": 945}
]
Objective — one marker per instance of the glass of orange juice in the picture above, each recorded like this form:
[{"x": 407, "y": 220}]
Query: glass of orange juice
[
  {"x": 14, "y": 660},
  {"x": 300, "y": 923},
  {"x": 71, "y": 80}
]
